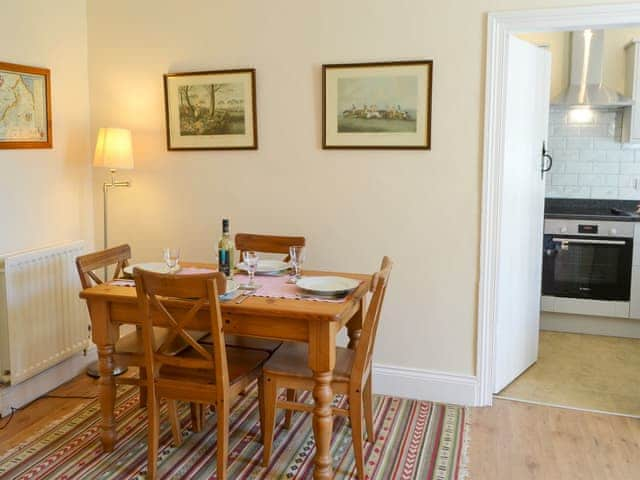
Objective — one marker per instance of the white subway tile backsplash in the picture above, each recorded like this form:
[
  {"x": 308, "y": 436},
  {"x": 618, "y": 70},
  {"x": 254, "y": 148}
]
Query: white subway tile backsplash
[
  {"x": 607, "y": 143},
  {"x": 590, "y": 180},
  {"x": 579, "y": 143},
  {"x": 576, "y": 192},
  {"x": 628, "y": 181},
  {"x": 592, "y": 156},
  {"x": 628, "y": 194},
  {"x": 606, "y": 167},
  {"x": 630, "y": 168},
  {"x": 577, "y": 167},
  {"x": 620, "y": 156},
  {"x": 556, "y": 144},
  {"x": 589, "y": 158},
  {"x": 604, "y": 192},
  {"x": 554, "y": 192},
  {"x": 566, "y": 155},
  {"x": 562, "y": 179},
  {"x": 598, "y": 131}
]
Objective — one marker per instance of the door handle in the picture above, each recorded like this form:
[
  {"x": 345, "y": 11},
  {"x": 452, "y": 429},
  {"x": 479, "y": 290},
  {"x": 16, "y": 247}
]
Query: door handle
[{"x": 547, "y": 160}]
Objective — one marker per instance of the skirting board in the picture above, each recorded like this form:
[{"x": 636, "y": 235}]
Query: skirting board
[
  {"x": 425, "y": 385},
  {"x": 590, "y": 325},
  {"x": 19, "y": 395}
]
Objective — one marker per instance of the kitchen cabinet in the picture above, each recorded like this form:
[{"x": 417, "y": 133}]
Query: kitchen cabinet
[{"x": 631, "y": 119}]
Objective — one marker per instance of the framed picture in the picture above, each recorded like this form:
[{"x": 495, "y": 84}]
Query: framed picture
[
  {"x": 377, "y": 105},
  {"x": 25, "y": 107},
  {"x": 211, "y": 110}
]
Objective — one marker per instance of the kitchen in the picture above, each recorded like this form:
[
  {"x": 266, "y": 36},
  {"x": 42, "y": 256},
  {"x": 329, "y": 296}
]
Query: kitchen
[{"x": 589, "y": 345}]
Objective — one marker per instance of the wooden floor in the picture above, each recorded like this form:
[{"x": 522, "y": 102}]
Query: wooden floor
[
  {"x": 514, "y": 440},
  {"x": 510, "y": 441}
]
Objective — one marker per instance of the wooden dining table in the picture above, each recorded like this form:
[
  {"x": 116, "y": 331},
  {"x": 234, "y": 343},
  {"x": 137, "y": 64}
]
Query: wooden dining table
[{"x": 303, "y": 320}]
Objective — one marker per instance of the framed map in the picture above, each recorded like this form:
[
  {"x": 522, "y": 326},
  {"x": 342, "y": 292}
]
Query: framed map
[
  {"x": 25, "y": 107},
  {"x": 377, "y": 105},
  {"x": 211, "y": 110}
]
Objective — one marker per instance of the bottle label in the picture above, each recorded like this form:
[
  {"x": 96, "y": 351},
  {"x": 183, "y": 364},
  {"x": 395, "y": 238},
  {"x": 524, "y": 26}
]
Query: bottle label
[{"x": 223, "y": 262}]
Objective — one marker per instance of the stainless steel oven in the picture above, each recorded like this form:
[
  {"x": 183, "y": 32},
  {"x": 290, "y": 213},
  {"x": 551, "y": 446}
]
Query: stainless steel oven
[{"x": 589, "y": 260}]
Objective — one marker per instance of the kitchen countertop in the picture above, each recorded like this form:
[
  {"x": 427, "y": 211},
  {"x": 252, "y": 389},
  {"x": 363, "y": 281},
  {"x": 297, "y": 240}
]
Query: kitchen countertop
[
  {"x": 600, "y": 218},
  {"x": 590, "y": 209}
]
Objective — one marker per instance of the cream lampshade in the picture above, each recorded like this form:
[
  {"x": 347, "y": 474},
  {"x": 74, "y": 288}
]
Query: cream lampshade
[{"x": 113, "y": 149}]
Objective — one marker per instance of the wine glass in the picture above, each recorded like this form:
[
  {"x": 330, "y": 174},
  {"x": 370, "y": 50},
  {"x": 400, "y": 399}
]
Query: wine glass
[
  {"x": 171, "y": 258},
  {"x": 251, "y": 262},
  {"x": 297, "y": 254}
]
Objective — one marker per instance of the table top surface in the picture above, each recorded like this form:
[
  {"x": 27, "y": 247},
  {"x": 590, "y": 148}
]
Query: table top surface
[{"x": 254, "y": 306}]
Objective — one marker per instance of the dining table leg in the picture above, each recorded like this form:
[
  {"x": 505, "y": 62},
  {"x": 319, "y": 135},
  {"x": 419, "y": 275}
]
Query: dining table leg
[
  {"x": 322, "y": 350},
  {"x": 105, "y": 335},
  {"x": 107, "y": 393},
  {"x": 354, "y": 327}
]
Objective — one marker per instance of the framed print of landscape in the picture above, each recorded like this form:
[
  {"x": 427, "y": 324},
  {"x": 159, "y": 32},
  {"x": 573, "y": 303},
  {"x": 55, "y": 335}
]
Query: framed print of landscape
[
  {"x": 377, "y": 105},
  {"x": 211, "y": 110},
  {"x": 25, "y": 107}
]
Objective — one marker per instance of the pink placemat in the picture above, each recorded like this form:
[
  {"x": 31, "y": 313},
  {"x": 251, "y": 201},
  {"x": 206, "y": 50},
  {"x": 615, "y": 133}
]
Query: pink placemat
[{"x": 277, "y": 287}]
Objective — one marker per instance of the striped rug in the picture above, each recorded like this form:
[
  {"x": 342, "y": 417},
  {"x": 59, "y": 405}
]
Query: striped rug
[{"x": 415, "y": 440}]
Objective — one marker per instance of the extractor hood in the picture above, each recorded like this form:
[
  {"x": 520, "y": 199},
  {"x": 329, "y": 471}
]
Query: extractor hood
[{"x": 586, "y": 88}]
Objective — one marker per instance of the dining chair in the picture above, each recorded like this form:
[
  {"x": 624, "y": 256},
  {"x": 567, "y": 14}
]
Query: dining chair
[
  {"x": 264, "y": 244},
  {"x": 201, "y": 374},
  {"x": 128, "y": 350},
  {"x": 287, "y": 368}
]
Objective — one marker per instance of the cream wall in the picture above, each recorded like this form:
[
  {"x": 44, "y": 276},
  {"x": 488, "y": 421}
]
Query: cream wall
[
  {"x": 46, "y": 195},
  {"x": 614, "y": 70},
  {"x": 421, "y": 208}
]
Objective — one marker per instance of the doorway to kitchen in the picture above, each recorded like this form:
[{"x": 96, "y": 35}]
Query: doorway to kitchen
[{"x": 572, "y": 338}]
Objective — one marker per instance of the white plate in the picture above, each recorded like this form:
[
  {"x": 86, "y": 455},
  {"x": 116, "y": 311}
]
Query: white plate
[
  {"x": 327, "y": 285},
  {"x": 157, "y": 267},
  {"x": 232, "y": 287},
  {"x": 266, "y": 266}
]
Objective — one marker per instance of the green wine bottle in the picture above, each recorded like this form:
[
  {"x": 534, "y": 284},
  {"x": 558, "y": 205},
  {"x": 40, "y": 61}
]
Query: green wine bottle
[{"x": 226, "y": 251}]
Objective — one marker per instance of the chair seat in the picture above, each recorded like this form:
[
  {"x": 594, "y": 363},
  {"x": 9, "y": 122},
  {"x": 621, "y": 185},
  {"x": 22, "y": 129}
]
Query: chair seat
[
  {"x": 132, "y": 343},
  {"x": 291, "y": 359},
  {"x": 246, "y": 342},
  {"x": 241, "y": 363}
]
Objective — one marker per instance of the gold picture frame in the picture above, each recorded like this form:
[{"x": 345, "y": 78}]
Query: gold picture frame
[
  {"x": 212, "y": 110},
  {"x": 25, "y": 107}
]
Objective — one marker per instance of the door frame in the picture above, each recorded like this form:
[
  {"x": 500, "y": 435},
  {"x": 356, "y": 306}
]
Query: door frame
[{"x": 500, "y": 26}]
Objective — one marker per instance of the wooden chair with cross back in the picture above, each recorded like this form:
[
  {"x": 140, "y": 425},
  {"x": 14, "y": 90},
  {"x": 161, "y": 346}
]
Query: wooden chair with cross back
[
  {"x": 128, "y": 350},
  {"x": 202, "y": 374},
  {"x": 287, "y": 368}
]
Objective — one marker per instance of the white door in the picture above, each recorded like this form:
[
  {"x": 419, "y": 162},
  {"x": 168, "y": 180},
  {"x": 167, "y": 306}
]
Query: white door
[{"x": 520, "y": 263}]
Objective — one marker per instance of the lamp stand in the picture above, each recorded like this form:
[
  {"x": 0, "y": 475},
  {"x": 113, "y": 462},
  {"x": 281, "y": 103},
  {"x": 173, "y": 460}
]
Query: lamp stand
[{"x": 93, "y": 369}]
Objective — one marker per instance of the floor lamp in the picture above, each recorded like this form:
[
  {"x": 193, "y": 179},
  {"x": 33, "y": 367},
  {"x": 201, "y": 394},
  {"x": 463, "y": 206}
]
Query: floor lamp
[{"x": 113, "y": 151}]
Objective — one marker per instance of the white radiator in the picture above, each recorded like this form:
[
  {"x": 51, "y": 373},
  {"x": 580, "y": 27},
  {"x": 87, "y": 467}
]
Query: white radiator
[{"x": 42, "y": 319}]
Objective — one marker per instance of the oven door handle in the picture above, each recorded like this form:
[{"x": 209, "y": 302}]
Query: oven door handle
[{"x": 589, "y": 241}]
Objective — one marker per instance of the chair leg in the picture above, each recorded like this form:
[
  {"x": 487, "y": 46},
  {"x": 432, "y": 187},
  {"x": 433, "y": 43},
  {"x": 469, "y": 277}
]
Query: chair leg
[
  {"x": 196, "y": 417},
  {"x": 355, "y": 415},
  {"x": 153, "y": 412},
  {"x": 174, "y": 420},
  {"x": 288, "y": 414},
  {"x": 367, "y": 395},
  {"x": 270, "y": 399},
  {"x": 261, "y": 406},
  {"x": 142, "y": 374},
  {"x": 222, "y": 411}
]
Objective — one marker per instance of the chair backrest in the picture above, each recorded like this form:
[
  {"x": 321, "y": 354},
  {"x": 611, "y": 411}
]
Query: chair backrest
[
  {"x": 87, "y": 264},
  {"x": 188, "y": 295},
  {"x": 267, "y": 243},
  {"x": 364, "y": 350}
]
